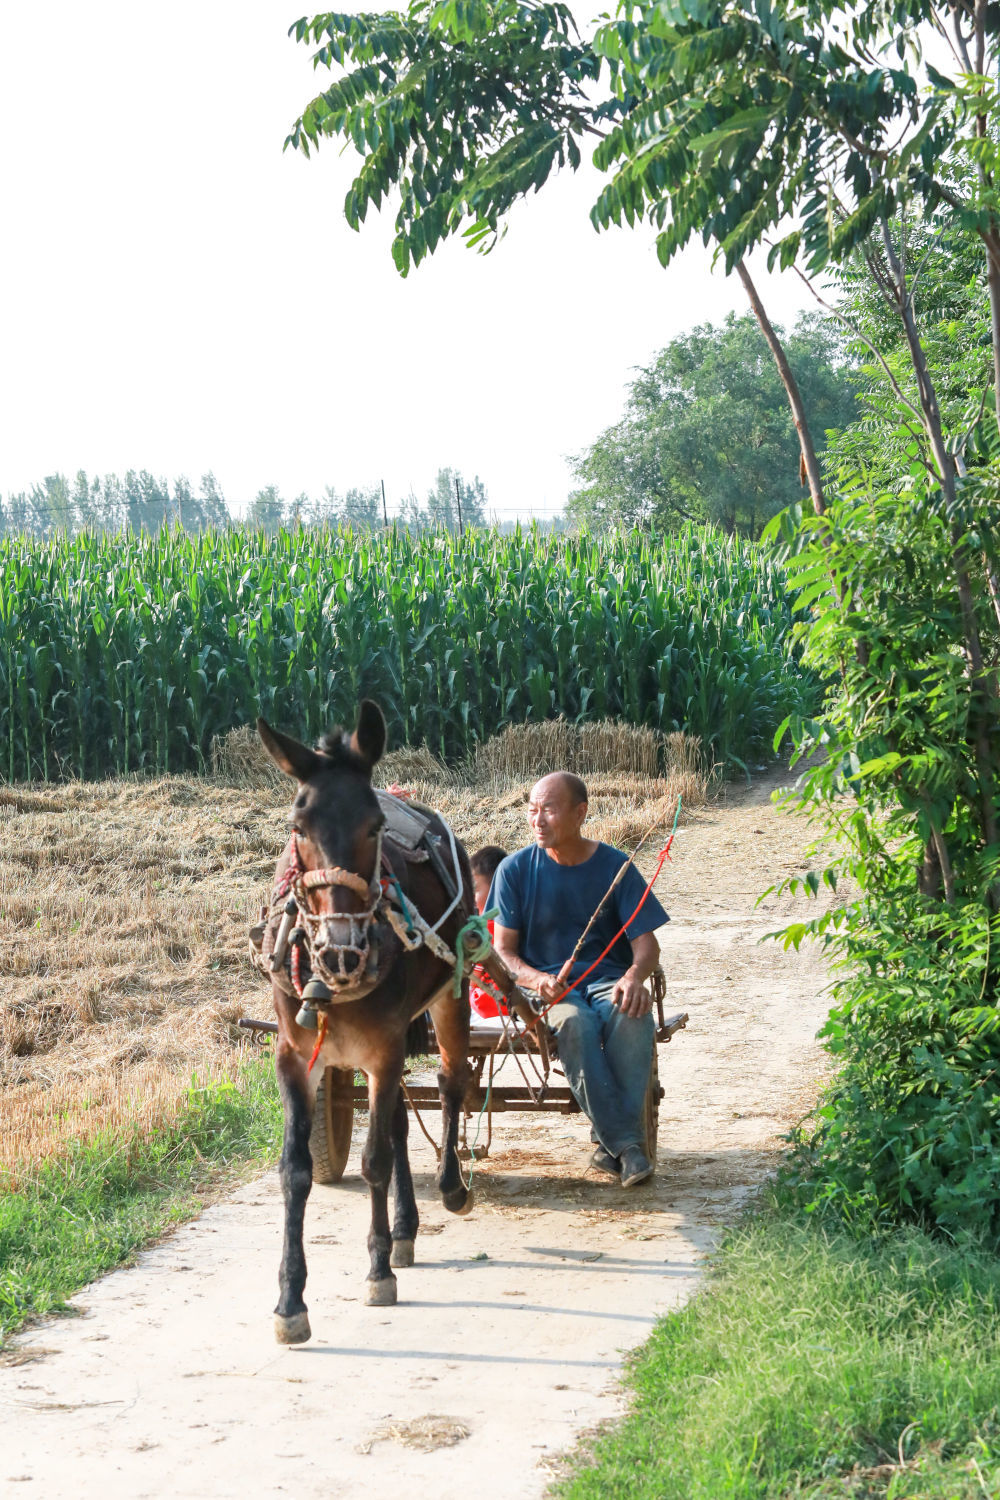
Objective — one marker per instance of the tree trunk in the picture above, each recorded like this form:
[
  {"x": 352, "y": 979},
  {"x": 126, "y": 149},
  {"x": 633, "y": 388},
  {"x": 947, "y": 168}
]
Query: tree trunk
[{"x": 810, "y": 463}]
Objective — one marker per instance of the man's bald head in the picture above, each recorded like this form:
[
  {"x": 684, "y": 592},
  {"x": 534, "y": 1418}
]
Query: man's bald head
[
  {"x": 556, "y": 810},
  {"x": 561, "y": 783}
]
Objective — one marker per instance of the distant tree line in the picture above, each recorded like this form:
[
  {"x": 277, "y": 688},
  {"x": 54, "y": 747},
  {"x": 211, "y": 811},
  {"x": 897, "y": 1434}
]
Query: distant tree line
[
  {"x": 364, "y": 507},
  {"x": 137, "y": 502},
  {"x": 142, "y": 502}
]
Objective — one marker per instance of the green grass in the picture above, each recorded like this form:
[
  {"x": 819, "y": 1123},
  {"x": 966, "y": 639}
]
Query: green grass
[
  {"x": 810, "y": 1360},
  {"x": 81, "y": 1215}
]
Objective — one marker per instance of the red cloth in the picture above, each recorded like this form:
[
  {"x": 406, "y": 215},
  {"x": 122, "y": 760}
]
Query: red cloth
[{"x": 482, "y": 1000}]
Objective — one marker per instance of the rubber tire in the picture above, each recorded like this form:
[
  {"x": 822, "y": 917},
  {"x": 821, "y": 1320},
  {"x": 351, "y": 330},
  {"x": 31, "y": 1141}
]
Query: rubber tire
[
  {"x": 650, "y": 1117},
  {"x": 330, "y": 1140}
]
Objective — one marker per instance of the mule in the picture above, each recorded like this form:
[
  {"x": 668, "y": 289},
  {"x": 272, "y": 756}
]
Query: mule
[{"x": 375, "y": 986}]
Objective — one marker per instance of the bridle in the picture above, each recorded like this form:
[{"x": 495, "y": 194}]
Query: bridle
[
  {"x": 330, "y": 939},
  {"x": 329, "y": 943}
]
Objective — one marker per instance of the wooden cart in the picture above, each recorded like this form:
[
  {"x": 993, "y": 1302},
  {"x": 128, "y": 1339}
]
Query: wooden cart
[{"x": 499, "y": 1052}]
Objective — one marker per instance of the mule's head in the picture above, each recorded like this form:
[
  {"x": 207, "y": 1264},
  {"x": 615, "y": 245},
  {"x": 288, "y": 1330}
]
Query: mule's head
[{"x": 337, "y": 822}]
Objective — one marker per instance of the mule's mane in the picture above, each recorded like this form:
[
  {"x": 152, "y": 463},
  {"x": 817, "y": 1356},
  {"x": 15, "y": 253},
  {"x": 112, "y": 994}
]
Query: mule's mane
[{"x": 336, "y": 747}]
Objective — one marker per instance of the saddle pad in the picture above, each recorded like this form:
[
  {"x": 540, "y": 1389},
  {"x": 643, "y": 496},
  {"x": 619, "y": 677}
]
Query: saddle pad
[{"x": 403, "y": 824}]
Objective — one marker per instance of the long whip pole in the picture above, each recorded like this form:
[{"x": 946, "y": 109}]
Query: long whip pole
[
  {"x": 663, "y": 856},
  {"x": 619, "y": 877}
]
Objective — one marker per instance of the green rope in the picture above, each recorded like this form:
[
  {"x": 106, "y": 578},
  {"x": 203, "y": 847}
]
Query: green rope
[
  {"x": 471, "y": 946},
  {"x": 411, "y": 931}
]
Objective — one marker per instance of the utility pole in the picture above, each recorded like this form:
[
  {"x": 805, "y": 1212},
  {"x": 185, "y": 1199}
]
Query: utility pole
[
  {"x": 385, "y": 513},
  {"x": 458, "y": 497}
]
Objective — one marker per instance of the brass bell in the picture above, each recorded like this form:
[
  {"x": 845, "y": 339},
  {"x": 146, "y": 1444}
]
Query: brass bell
[{"x": 307, "y": 1018}]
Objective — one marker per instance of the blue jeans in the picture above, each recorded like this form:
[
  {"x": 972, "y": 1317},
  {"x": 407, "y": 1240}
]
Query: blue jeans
[{"x": 606, "y": 1057}]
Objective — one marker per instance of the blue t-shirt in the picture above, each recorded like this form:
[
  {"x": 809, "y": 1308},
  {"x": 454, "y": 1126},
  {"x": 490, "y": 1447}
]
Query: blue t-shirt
[{"x": 550, "y": 904}]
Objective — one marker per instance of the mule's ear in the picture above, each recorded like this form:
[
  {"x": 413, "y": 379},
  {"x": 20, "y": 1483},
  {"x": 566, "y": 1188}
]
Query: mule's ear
[
  {"x": 368, "y": 740},
  {"x": 294, "y": 758}
]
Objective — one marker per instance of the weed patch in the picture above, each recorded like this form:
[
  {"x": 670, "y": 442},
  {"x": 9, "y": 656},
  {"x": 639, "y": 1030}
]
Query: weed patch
[{"x": 80, "y": 1214}]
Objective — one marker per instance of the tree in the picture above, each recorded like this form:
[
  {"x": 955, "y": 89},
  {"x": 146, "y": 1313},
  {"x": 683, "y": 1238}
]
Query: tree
[
  {"x": 52, "y": 503},
  {"x": 266, "y": 509},
  {"x": 86, "y": 501},
  {"x": 475, "y": 501},
  {"x": 17, "y": 516},
  {"x": 707, "y": 433},
  {"x": 362, "y": 509},
  {"x": 213, "y": 511}
]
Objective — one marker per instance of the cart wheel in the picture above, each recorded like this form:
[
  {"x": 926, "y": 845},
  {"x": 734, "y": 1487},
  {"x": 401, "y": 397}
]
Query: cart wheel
[
  {"x": 330, "y": 1141},
  {"x": 651, "y": 1109}
]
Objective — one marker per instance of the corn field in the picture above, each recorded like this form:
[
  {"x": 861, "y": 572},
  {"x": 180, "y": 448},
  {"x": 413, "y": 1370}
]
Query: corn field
[{"x": 129, "y": 653}]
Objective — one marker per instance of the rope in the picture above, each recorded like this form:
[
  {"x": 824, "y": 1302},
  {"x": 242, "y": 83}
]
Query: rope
[
  {"x": 479, "y": 1126},
  {"x": 393, "y": 880},
  {"x": 619, "y": 877},
  {"x": 664, "y": 856},
  {"x": 419, "y": 1119},
  {"x": 471, "y": 946}
]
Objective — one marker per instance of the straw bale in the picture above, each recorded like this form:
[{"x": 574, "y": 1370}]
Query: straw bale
[{"x": 239, "y": 757}]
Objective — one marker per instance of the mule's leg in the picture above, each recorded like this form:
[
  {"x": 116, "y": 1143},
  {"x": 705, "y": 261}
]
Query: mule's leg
[
  {"x": 291, "y": 1320},
  {"x": 451, "y": 1027},
  {"x": 405, "y": 1216},
  {"x": 376, "y": 1169}
]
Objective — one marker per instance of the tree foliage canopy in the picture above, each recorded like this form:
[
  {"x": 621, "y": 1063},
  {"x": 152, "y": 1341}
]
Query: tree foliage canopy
[{"x": 707, "y": 433}]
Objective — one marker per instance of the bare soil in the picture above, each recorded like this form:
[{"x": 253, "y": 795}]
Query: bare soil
[{"x": 509, "y": 1335}]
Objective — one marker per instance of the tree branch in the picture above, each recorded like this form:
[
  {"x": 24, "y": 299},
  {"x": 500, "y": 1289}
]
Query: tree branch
[
  {"x": 863, "y": 338},
  {"x": 810, "y": 463}
]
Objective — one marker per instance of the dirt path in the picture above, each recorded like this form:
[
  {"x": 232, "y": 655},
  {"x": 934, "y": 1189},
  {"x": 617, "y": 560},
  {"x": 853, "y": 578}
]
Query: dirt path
[{"x": 512, "y": 1327}]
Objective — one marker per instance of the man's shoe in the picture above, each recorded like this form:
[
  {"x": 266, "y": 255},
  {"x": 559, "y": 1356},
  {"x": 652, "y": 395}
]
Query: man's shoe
[
  {"x": 605, "y": 1162},
  {"x": 635, "y": 1166}
]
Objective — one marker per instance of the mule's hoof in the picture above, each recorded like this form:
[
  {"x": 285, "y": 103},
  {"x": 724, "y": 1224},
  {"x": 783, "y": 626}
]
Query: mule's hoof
[
  {"x": 293, "y": 1330},
  {"x": 460, "y": 1203},
  {"x": 402, "y": 1253},
  {"x": 381, "y": 1293}
]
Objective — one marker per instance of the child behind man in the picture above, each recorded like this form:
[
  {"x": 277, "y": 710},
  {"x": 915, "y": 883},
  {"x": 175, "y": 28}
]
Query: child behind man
[{"x": 484, "y": 864}]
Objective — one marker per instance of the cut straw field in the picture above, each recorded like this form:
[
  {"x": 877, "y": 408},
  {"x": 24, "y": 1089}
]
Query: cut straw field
[{"x": 125, "y": 907}]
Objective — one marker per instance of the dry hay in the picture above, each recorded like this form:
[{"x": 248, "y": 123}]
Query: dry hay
[
  {"x": 520, "y": 752},
  {"x": 425, "y": 1434},
  {"x": 124, "y": 909},
  {"x": 240, "y": 759},
  {"x": 124, "y": 913},
  {"x": 605, "y": 747},
  {"x": 525, "y": 750},
  {"x": 401, "y": 767}
]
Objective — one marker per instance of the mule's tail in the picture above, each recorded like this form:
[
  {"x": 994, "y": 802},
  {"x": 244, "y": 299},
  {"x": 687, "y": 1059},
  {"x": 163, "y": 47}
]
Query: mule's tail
[{"x": 418, "y": 1036}]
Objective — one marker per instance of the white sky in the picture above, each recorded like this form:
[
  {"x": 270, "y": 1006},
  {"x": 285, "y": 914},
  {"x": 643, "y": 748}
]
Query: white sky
[{"x": 178, "y": 295}]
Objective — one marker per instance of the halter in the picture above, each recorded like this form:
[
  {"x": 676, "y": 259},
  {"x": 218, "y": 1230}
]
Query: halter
[
  {"x": 346, "y": 933},
  {"x": 300, "y": 929}
]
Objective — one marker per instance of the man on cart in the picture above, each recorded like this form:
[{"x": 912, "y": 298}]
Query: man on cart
[{"x": 547, "y": 896}]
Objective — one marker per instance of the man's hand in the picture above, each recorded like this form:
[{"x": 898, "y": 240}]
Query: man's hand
[
  {"x": 632, "y": 995},
  {"x": 553, "y": 987}
]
